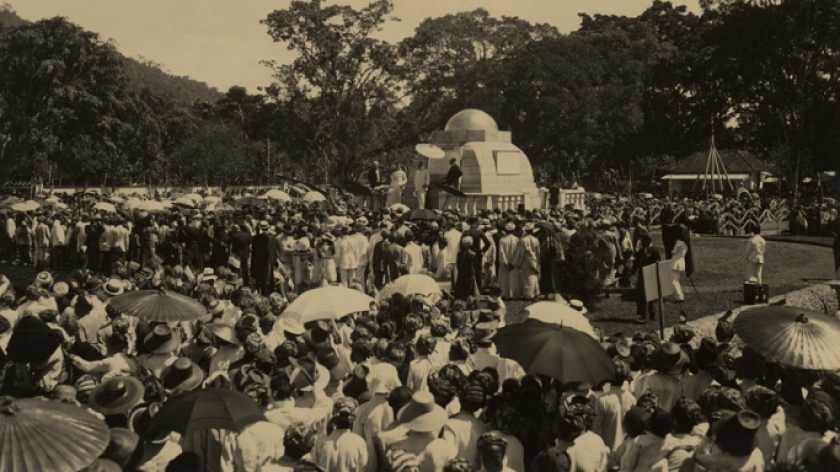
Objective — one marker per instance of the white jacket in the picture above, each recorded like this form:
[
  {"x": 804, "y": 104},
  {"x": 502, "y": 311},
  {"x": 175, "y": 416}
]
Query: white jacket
[{"x": 755, "y": 249}]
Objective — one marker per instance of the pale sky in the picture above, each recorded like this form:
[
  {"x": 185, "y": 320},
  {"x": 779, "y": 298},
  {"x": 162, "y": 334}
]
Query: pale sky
[{"x": 221, "y": 42}]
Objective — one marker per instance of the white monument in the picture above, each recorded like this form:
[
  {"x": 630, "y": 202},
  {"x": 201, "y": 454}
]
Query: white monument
[{"x": 497, "y": 174}]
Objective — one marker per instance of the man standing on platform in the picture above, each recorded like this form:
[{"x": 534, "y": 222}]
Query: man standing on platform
[
  {"x": 374, "y": 176},
  {"x": 374, "y": 180},
  {"x": 421, "y": 184},
  {"x": 453, "y": 177}
]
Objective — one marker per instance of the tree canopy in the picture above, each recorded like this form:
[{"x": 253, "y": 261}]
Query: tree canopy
[{"x": 620, "y": 98}]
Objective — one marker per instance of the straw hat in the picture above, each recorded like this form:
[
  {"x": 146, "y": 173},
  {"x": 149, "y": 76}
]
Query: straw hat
[
  {"x": 44, "y": 279},
  {"x": 182, "y": 376},
  {"x": 114, "y": 287},
  {"x": 161, "y": 340},
  {"x": 422, "y": 414},
  {"x": 117, "y": 396},
  {"x": 223, "y": 331},
  {"x": 669, "y": 358},
  {"x": 61, "y": 289}
]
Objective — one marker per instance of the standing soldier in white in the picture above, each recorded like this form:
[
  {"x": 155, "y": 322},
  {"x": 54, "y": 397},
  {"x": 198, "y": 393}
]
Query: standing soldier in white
[
  {"x": 678, "y": 266},
  {"x": 755, "y": 255}
]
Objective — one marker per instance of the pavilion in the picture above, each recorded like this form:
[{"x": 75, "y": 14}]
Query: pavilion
[{"x": 739, "y": 168}]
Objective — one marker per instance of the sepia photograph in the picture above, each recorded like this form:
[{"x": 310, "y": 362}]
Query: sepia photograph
[{"x": 419, "y": 236}]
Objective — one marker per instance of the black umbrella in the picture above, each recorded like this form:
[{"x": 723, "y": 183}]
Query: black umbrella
[
  {"x": 212, "y": 408},
  {"x": 32, "y": 341},
  {"x": 249, "y": 201},
  {"x": 560, "y": 352}
]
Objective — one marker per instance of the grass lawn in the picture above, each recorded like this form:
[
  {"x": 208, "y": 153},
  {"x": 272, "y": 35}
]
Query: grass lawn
[{"x": 719, "y": 278}]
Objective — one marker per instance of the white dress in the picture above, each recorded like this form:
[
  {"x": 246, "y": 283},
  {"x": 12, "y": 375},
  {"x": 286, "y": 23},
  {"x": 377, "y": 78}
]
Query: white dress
[{"x": 398, "y": 181}]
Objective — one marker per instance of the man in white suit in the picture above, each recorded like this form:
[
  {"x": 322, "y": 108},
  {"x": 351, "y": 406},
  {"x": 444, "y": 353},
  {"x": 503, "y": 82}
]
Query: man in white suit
[
  {"x": 755, "y": 255},
  {"x": 421, "y": 184}
]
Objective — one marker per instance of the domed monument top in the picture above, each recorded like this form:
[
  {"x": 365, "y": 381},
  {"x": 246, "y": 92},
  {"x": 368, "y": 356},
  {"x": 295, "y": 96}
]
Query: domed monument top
[{"x": 471, "y": 120}]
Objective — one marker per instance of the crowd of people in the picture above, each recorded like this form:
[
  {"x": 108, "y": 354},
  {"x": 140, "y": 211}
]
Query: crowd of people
[{"x": 413, "y": 384}]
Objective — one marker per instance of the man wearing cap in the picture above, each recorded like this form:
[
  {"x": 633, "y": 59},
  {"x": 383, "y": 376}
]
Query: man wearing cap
[
  {"x": 511, "y": 254},
  {"x": 453, "y": 244},
  {"x": 58, "y": 240},
  {"x": 341, "y": 450},
  {"x": 41, "y": 242},
  {"x": 346, "y": 255},
  {"x": 529, "y": 266},
  {"x": 670, "y": 362}
]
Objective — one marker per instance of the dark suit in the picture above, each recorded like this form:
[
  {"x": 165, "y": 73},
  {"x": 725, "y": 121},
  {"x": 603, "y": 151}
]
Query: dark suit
[
  {"x": 374, "y": 177},
  {"x": 380, "y": 264},
  {"x": 480, "y": 245},
  {"x": 261, "y": 262},
  {"x": 453, "y": 177},
  {"x": 240, "y": 244},
  {"x": 394, "y": 259}
]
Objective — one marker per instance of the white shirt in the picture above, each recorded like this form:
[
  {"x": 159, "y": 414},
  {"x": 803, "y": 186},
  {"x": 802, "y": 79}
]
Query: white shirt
[
  {"x": 58, "y": 235},
  {"x": 421, "y": 179},
  {"x": 453, "y": 243},
  {"x": 755, "y": 249}
]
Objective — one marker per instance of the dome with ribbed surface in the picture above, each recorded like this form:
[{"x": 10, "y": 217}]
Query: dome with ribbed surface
[{"x": 471, "y": 120}]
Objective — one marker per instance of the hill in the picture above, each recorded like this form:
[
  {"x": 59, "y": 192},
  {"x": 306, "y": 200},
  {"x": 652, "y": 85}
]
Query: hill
[{"x": 143, "y": 73}]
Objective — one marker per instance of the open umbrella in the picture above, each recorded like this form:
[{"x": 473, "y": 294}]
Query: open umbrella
[
  {"x": 106, "y": 207},
  {"x": 312, "y": 197},
  {"x": 60, "y": 206},
  {"x": 116, "y": 199},
  {"x": 560, "y": 352},
  {"x": 184, "y": 202},
  {"x": 158, "y": 305},
  {"x": 210, "y": 199},
  {"x": 328, "y": 303},
  {"x": 196, "y": 198},
  {"x": 38, "y": 435},
  {"x": 559, "y": 314},
  {"x": 299, "y": 190},
  {"x": 200, "y": 410},
  {"x": 8, "y": 202},
  {"x": 29, "y": 205},
  {"x": 52, "y": 200},
  {"x": 413, "y": 284},
  {"x": 430, "y": 150},
  {"x": 421, "y": 214},
  {"x": 249, "y": 201},
  {"x": 222, "y": 208},
  {"x": 791, "y": 336},
  {"x": 150, "y": 205},
  {"x": 276, "y": 194}
]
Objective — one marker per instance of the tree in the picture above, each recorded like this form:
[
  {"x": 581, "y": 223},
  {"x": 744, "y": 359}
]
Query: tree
[
  {"x": 216, "y": 154},
  {"x": 777, "y": 63},
  {"x": 341, "y": 91},
  {"x": 60, "y": 88},
  {"x": 448, "y": 61}
]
